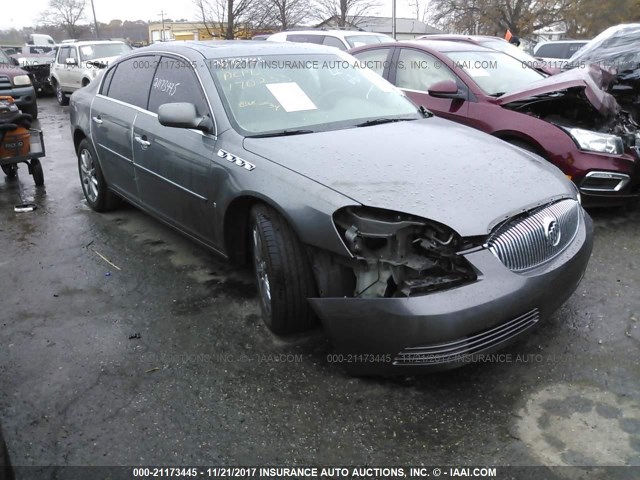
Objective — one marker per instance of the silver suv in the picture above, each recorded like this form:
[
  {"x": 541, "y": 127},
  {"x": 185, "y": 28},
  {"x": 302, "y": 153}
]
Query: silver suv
[{"x": 78, "y": 63}]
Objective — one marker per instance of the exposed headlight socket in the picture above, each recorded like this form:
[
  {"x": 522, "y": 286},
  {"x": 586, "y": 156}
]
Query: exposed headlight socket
[{"x": 400, "y": 255}]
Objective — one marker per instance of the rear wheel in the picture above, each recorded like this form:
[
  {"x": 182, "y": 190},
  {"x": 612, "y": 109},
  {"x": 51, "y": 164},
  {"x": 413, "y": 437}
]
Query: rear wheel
[
  {"x": 10, "y": 170},
  {"x": 283, "y": 273},
  {"x": 60, "y": 95},
  {"x": 94, "y": 186}
]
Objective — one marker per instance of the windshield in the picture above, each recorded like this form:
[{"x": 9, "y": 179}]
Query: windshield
[
  {"x": 103, "y": 50},
  {"x": 494, "y": 72},
  {"x": 315, "y": 92},
  {"x": 359, "y": 40},
  {"x": 4, "y": 58}
]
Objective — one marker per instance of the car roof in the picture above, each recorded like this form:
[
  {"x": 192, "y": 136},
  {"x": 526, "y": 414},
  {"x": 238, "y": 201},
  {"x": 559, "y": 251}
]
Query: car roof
[
  {"x": 239, "y": 48},
  {"x": 88, "y": 42},
  {"x": 338, "y": 33},
  {"x": 457, "y": 37},
  {"x": 447, "y": 46},
  {"x": 546, "y": 42}
]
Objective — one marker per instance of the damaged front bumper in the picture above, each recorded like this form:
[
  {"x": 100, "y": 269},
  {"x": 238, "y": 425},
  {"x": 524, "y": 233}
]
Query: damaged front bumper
[
  {"x": 606, "y": 180},
  {"x": 446, "y": 329}
]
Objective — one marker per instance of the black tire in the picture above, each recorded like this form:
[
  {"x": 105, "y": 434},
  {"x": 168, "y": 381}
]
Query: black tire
[
  {"x": 32, "y": 109},
  {"x": 10, "y": 170},
  {"x": 278, "y": 254},
  {"x": 37, "y": 172},
  {"x": 60, "y": 95},
  {"x": 524, "y": 145},
  {"x": 100, "y": 198},
  {"x": 6, "y": 470}
]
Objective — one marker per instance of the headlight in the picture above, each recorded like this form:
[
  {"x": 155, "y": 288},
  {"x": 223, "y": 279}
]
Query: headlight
[
  {"x": 400, "y": 255},
  {"x": 19, "y": 80},
  {"x": 596, "y": 142}
]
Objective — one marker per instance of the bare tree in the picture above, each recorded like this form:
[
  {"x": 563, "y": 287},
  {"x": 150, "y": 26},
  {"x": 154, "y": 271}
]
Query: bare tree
[
  {"x": 344, "y": 12},
  {"x": 284, "y": 14},
  {"x": 421, "y": 9},
  {"x": 66, "y": 13},
  {"x": 521, "y": 17},
  {"x": 222, "y": 18}
]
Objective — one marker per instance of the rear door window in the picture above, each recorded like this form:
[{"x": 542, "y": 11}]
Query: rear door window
[
  {"x": 132, "y": 79},
  {"x": 104, "y": 89},
  {"x": 552, "y": 50},
  {"x": 375, "y": 60},
  {"x": 334, "y": 42},
  {"x": 573, "y": 48},
  {"x": 302, "y": 38}
]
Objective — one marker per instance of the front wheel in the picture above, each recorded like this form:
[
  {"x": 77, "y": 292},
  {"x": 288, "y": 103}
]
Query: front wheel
[
  {"x": 32, "y": 109},
  {"x": 37, "y": 172},
  {"x": 61, "y": 96},
  {"x": 283, "y": 273},
  {"x": 94, "y": 186}
]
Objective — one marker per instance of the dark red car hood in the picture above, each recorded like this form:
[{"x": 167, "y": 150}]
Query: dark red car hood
[{"x": 592, "y": 79}]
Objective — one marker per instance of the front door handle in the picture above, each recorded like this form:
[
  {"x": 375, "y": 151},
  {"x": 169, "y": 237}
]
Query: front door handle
[
  {"x": 97, "y": 120},
  {"x": 142, "y": 141}
]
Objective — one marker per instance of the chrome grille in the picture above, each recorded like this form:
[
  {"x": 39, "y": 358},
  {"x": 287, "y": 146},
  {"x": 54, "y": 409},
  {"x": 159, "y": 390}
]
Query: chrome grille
[
  {"x": 527, "y": 242},
  {"x": 5, "y": 83},
  {"x": 464, "y": 348}
]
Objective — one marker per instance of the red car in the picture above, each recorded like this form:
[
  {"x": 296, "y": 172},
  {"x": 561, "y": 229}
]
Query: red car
[{"x": 568, "y": 118}]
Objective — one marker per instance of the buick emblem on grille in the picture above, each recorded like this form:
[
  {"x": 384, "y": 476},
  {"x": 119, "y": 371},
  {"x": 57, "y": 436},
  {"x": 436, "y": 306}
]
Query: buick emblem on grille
[{"x": 552, "y": 231}]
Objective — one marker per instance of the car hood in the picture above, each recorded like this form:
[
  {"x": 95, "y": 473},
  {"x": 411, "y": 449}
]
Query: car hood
[
  {"x": 592, "y": 79},
  {"x": 431, "y": 168},
  {"x": 11, "y": 70}
]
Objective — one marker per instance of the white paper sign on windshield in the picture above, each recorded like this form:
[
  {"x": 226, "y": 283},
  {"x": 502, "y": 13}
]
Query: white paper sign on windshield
[{"x": 291, "y": 97}]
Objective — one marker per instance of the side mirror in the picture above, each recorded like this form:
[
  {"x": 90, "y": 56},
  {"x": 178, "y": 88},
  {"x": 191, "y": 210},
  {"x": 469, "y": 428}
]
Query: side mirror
[
  {"x": 183, "y": 115},
  {"x": 15, "y": 61},
  {"x": 71, "y": 61},
  {"x": 445, "y": 89}
]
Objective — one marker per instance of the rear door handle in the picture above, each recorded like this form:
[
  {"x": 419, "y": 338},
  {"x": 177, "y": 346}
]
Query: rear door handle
[
  {"x": 97, "y": 120},
  {"x": 142, "y": 141}
]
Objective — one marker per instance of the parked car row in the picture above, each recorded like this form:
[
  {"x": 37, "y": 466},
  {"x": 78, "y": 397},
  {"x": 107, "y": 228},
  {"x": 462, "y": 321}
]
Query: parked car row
[
  {"x": 418, "y": 242},
  {"x": 16, "y": 82},
  {"x": 568, "y": 119}
]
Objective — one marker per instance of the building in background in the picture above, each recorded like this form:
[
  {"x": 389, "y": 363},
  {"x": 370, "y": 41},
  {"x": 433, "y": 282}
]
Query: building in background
[{"x": 184, "y": 31}]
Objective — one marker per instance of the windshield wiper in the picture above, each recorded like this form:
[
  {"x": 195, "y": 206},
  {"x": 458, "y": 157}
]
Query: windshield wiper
[
  {"x": 282, "y": 133},
  {"x": 380, "y": 121},
  {"x": 499, "y": 94},
  {"x": 424, "y": 112}
]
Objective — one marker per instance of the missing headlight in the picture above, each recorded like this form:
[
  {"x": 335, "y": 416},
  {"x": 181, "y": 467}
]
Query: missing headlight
[{"x": 398, "y": 255}]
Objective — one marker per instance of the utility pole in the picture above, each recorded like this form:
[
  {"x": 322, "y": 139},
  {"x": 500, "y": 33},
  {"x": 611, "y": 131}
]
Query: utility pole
[
  {"x": 393, "y": 19},
  {"x": 162, "y": 35},
  {"x": 95, "y": 22}
]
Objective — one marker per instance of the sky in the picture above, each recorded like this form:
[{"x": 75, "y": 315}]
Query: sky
[{"x": 107, "y": 10}]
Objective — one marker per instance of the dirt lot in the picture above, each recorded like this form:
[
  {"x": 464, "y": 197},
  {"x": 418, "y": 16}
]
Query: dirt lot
[{"x": 164, "y": 359}]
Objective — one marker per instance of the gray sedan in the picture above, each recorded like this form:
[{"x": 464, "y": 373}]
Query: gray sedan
[{"x": 419, "y": 243}]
